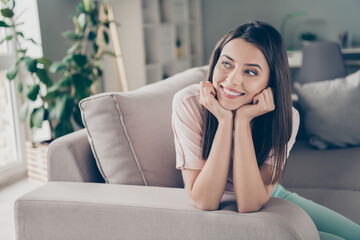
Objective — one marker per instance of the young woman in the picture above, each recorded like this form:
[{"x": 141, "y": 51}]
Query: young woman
[{"x": 234, "y": 131}]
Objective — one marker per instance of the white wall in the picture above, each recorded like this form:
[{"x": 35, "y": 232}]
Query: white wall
[
  {"x": 327, "y": 18},
  {"x": 128, "y": 16}
]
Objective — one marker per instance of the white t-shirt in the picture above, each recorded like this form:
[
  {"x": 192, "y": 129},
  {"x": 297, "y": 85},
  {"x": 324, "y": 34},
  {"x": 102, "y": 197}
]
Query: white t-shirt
[{"x": 187, "y": 121}]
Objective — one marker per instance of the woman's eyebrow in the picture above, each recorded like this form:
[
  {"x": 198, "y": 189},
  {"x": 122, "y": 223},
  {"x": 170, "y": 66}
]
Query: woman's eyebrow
[
  {"x": 247, "y": 64},
  {"x": 228, "y": 57},
  {"x": 253, "y": 65}
]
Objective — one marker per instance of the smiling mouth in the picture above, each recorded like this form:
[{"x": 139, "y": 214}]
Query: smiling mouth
[{"x": 231, "y": 94}]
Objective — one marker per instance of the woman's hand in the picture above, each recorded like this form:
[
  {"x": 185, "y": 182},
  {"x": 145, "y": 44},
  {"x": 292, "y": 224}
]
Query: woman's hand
[
  {"x": 263, "y": 102},
  {"x": 208, "y": 100}
]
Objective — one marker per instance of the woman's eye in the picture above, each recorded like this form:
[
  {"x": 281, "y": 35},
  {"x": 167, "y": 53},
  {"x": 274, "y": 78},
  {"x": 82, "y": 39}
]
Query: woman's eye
[
  {"x": 251, "y": 73},
  {"x": 225, "y": 64}
]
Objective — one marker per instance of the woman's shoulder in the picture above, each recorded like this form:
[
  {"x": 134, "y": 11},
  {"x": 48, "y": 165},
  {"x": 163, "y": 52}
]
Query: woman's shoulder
[
  {"x": 296, "y": 115},
  {"x": 187, "y": 100},
  {"x": 189, "y": 93}
]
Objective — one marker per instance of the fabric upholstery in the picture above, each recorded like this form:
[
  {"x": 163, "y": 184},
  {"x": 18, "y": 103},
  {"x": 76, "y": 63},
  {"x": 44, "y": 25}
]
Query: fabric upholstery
[
  {"x": 321, "y": 60},
  {"x": 70, "y": 159},
  {"x": 80, "y": 211},
  {"x": 329, "y": 177},
  {"x": 342, "y": 201},
  {"x": 130, "y": 133},
  {"x": 331, "y": 111}
]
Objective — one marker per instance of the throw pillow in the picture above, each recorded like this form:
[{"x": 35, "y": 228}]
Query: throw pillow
[
  {"x": 130, "y": 133},
  {"x": 332, "y": 112}
]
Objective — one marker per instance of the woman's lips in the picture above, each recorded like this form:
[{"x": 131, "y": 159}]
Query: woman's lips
[{"x": 229, "y": 95}]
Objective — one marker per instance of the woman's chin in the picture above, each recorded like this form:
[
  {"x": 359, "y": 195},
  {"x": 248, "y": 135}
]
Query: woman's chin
[{"x": 229, "y": 107}]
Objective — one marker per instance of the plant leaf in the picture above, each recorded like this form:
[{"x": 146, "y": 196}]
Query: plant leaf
[
  {"x": 106, "y": 37},
  {"x": 43, "y": 76},
  {"x": 7, "y": 12},
  {"x": 23, "y": 51},
  {"x": 96, "y": 47},
  {"x": 37, "y": 116},
  {"x": 7, "y": 38},
  {"x": 20, "y": 34},
  {"x": 78, "y": 83},
  {"x": 88, "y": 5},
  {"x": 77, "y": 116},
  {"x": 18, "y": 24},
  {"x": 63, "y": 128},
  {"x": 82, "y": 20},
  {"x": 92, "y": 36},
  {"x": 70, "y": 34},
  {"x": 51, "y": 95},
  {"x": 99, "y": 71},
  {"x": 52, "y": 111},
  {"x": 4, "y": 24},
  {"x": 73, "y": 48},
  {"x": 45, "y": 61},
  {"x": 33, "y": 93},
  {"x": 67, "y": 59},
  {"x": 31, "y": 64},
  {"x": 80, "y": 59},
  {"x": 54, "y": 88},
  {"x": 24, "y": 112},
  {"x": 20, "y": 87},
  {"x": 64, "y": 106},
  {"x": 32, "y": 40},
  {"x": 46, "y": 115},
  {"x": 12, "y": 72},
  {"x": 80, "y": 7},
  {"x": 57, "y": 67},
  {"x": 109, "y": 53},
  {"x": 65, "y": 82}
]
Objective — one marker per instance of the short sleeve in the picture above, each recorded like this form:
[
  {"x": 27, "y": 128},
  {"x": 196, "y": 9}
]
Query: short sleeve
[
  {"x": 290, "y": 144},
  {"x": 186, "y": 122}
]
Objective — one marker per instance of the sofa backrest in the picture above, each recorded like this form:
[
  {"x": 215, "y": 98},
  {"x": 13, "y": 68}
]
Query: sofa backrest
[{"x": 130, "y": 133}]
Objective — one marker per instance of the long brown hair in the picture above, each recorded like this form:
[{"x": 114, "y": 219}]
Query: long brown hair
[{"x": 271, "y": 131}]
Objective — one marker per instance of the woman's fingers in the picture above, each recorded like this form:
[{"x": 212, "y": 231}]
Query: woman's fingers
[
  {"x": 208, "y": 87},
  {"x": 265, "y": 100},
  {"x": 269, "y": 99},
  {"x": 208, "y": 100},
  {"x": 207, "y": 92}
]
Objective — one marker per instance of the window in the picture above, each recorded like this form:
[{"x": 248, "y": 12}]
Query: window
[{"x": 8, "y": 147}]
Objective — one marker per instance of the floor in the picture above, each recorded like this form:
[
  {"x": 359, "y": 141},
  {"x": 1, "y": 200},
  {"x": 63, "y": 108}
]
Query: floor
[{"x": 8, "y": 195}]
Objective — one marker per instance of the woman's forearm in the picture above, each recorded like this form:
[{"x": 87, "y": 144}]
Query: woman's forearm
[
  {"x": 210, "y": 184},
  {"x": 249, "y": 187}
]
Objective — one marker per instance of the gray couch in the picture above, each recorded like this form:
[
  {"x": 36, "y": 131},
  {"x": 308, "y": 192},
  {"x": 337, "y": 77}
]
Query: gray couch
[{"x": 76, "y": 203}]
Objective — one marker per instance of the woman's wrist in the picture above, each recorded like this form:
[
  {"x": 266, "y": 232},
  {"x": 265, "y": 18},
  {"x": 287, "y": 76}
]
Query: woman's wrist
[
  {"x": 242, "y": 121},
  {"x": 226, "y": 120}
]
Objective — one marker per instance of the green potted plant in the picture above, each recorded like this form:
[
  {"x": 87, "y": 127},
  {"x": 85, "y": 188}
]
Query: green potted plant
[
  {"x": 307, "y": 37},
  {"x": 81, "y": 68}
]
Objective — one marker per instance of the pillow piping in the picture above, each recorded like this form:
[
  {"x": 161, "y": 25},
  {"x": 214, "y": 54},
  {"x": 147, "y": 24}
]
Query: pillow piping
[
  {"x": 92, "y": 144},
  {"x": 128, "y": 139}
]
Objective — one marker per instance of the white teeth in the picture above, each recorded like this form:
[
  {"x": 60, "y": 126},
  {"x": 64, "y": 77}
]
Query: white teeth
[{"x": 232, "y": 93}]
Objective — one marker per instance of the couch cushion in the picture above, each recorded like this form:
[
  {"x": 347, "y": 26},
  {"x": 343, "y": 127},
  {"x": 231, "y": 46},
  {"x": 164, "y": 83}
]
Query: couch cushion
[
  {"x": 339, "y": 200},
  {"x": 331, "y": 111},
  {"x": 330, "y": 169},
  {"x": 130, "y": 133},
  {"x": 137, "y": 212},
  {"x": 328, "y": 177}
]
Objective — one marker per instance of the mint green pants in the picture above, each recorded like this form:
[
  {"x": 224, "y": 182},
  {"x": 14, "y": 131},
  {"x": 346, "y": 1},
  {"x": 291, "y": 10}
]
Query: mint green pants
[{"x": 330, "y": 224}]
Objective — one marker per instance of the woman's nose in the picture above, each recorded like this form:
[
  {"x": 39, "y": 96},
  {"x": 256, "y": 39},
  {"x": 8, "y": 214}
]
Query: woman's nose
[{"x": 235, "y": 78}]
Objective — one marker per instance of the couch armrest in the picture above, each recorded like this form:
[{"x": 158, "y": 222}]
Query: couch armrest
[
  {"x": 70, "y": 159},
  {"x": 64, "y": 210}
]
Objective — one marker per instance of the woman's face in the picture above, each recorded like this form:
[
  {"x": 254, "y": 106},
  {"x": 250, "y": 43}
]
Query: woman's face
[{"x": 240, "y": 73}]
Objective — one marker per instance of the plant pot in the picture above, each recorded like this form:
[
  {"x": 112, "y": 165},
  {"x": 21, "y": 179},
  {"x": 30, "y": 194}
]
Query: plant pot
[{"x": 36, "y": 158}]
